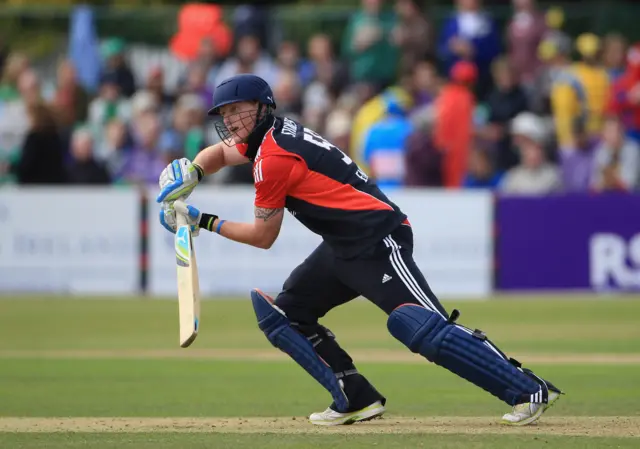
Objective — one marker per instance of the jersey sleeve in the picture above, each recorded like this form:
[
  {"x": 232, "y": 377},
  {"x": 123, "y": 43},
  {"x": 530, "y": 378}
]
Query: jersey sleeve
[
  {"x": 242, "y": 148},
  {"x": 273, "y": 176}
]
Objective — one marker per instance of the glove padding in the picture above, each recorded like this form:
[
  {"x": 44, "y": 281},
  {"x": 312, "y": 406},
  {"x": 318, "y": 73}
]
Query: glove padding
[
  {"x": 169, "y": 220},
  {"x": 178, "y": 180}
]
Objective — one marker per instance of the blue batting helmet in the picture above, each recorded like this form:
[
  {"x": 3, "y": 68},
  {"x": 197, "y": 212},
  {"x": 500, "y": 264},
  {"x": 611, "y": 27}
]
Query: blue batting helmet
[{"x": 244, "y": 87}]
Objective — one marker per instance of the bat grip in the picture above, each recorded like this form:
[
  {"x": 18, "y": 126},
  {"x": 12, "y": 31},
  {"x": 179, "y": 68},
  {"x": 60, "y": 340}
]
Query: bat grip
[{"x": 181, "y": 220}]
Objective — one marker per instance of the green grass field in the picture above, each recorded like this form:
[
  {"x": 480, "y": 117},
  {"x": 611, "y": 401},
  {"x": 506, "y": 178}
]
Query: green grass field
[{"x": 109, "y": 374}]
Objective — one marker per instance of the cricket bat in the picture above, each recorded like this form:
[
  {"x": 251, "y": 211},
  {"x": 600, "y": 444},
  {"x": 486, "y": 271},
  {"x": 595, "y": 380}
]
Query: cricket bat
[{"x": 188, "y": 285}]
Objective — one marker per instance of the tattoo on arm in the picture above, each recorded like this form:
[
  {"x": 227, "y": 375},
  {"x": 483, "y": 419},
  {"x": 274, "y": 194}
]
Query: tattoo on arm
[{"x": 266, "y": 214}]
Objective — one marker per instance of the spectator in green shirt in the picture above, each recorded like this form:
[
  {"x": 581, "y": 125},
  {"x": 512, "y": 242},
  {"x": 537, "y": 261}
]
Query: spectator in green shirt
[
  {"x": 368, "y": 45},
  {"x": 15, "y": 65}
]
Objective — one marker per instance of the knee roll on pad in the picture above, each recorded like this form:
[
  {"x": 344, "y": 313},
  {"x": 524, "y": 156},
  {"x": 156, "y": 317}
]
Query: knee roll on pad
[
  {"x": 277, "y": 328},
  {"x": 464, "y": 352}
]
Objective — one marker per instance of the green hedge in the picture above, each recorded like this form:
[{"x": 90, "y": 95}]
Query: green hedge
[{"x": 38, "y": 30}]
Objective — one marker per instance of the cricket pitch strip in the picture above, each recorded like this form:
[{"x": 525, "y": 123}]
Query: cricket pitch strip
[{"x": 589, "y": 426}]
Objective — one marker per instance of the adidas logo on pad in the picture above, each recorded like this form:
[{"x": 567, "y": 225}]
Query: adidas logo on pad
[{"x": 386, "y": 278}]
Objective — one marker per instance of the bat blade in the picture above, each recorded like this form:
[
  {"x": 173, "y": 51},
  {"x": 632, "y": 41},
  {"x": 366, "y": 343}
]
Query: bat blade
[{"x": 188, "y": 284}]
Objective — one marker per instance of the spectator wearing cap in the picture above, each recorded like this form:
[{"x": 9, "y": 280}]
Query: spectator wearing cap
[
  {"x": 84, "y": 168},
  {"x": 505, "y": 102},
  {"x": 554, "y": 51},
  {"x": 554, "y": 19},
  {"x": 115, "y": 65},
  {"x": 581, "y": 93},
  {"x": 368, "y": 47},
  {"x": 370, "y": 113},
  {"x": 454, "y": 109},
  {"x": 617, "y": 160},
  {"x": 624, "y": 100},
  {"x": 534, "y": 175},
  {"x": 470, "y": 35},
  {"x": 525, "y": 31},
  {"x": 384, "y": 147}
]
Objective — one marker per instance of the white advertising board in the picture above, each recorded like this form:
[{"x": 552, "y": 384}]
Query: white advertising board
[
  {"x": 452, "y": 236},
  {"x": 69, "y": 240},
  {"x": 453, "y": 239},
  {"x": 226, "y": 267}
]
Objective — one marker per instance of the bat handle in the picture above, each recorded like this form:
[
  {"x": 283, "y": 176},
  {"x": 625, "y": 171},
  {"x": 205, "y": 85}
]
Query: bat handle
[{"x": 181, "y": 220}]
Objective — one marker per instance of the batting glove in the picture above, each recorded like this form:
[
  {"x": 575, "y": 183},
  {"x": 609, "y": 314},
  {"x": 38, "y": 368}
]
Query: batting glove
[
  {"x": 169, "y": 220},
  {"x": 195, "y": 218},
  {"x": 178, "y": 180}
]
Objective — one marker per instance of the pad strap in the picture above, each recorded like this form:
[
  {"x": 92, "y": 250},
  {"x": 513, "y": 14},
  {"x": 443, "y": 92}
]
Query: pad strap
[
  {"x": 277, "y": 328},
  {"x": 469, "y": 354}
]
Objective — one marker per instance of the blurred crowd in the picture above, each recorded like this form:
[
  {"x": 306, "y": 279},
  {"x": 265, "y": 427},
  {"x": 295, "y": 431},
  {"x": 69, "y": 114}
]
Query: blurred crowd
[{"x": 522, "y": 110}]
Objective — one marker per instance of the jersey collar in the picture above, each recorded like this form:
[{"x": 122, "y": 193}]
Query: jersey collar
[{"x": 257, "y": 136}]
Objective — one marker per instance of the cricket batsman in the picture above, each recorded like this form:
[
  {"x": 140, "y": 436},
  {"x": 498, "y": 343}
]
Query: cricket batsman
[{"x": 366, "y": 250}]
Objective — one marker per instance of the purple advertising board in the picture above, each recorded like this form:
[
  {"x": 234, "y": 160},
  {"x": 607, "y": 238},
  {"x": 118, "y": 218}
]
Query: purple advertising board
[{"x": 568, "y": 242}]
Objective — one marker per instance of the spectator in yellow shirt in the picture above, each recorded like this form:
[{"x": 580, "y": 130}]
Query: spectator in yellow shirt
[
  {"x": 370, "y": 113},
  {"x": 581, "y": 92}
]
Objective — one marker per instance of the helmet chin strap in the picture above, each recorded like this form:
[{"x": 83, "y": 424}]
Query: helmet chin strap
[{"x": 262, "y": 113}]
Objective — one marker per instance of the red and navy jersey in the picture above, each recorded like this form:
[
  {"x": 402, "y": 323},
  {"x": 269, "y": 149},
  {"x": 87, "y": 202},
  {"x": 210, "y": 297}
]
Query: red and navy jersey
[{"x": 297, "y": 169}]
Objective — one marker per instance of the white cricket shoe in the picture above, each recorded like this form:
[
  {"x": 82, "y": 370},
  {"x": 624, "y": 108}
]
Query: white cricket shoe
[
  {"x": 529, "y": 412},
  {"x": 332, "y": 418}
]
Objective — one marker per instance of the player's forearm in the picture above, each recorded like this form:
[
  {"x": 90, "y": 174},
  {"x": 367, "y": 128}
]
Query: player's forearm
[
  {"x": 246, "y": 233},
  {"x": 211, "y": 159}
]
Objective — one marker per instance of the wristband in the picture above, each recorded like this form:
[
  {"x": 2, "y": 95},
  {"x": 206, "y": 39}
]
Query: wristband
[
  {"x": 200, "y": 171},
  {"x": 219, "y": 226},
  {"x": 206, "y": 221}
]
